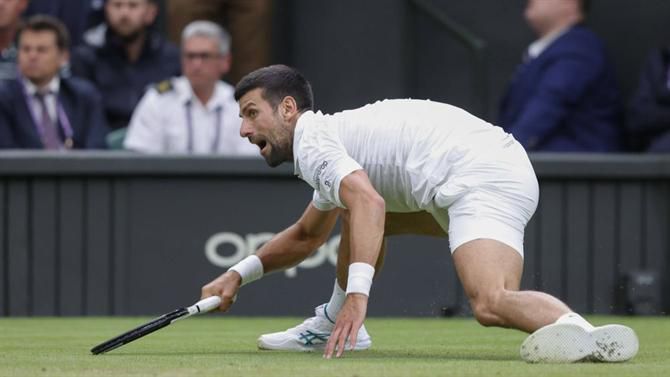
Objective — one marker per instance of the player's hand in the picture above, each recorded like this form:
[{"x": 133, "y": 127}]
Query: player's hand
[
  {"x": 225, "y": 286},
  {"x": 348, "y": 322}
]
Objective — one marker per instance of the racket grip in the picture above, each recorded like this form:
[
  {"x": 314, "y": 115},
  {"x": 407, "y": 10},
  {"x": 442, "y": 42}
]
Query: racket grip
[{"x": 208, "y": 304}]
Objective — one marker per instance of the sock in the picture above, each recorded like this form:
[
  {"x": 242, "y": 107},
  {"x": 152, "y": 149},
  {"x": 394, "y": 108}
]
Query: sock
[
  {"x": 336, "y": 301},
  {"x": 575, "y": 319}
]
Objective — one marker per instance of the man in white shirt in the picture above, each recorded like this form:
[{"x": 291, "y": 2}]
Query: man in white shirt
[
  {"x": 195, "y": 113},
  {"x": 405, "y": 166}
]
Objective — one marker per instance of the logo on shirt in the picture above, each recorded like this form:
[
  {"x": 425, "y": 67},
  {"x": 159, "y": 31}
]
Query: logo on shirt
[{"x": 317, "y": 175}]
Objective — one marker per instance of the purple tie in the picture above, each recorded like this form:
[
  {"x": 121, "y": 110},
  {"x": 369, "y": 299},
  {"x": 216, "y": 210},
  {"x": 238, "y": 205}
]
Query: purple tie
[{"x": 50, "y": 137}]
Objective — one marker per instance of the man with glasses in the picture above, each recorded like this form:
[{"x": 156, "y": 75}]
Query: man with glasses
[
  {"x": 124, "y": 56},
  {"x": 195, "y": 113}
]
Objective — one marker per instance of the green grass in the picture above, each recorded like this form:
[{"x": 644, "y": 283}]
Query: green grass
[{"x": 220, "y": 346}]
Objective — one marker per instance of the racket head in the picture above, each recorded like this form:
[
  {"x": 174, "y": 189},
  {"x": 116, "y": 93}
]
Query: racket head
[{"x": 140, "y": 331}]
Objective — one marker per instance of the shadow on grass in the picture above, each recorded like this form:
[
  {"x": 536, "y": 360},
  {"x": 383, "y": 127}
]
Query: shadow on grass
[{"x": 359, "y": 355}]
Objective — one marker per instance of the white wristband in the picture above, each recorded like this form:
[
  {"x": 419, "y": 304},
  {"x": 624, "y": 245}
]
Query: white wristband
[
  {"x": 249, "y": 268},
  {"x": 360, "y": 278}
]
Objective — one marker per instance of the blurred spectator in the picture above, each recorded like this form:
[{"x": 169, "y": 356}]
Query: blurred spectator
[
  {"x": 649, "y": 112},
  {"x": 77, "y": 15},
  {"x": 194, "y": 113},
  {"x": 124, "y": 56},
  {"x": 10, "y": 12},
  {"x": 249, "y": 23},
  {"x": 41, "y": 110},
  {"x": 564, "y": 96}
]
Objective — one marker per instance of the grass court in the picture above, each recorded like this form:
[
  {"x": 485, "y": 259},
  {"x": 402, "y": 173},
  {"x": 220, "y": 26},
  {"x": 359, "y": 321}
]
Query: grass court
[{"x": 217, "y": 345}]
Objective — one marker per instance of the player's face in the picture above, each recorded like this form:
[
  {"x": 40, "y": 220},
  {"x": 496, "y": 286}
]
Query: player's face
[{"x": 264, "y": 126}]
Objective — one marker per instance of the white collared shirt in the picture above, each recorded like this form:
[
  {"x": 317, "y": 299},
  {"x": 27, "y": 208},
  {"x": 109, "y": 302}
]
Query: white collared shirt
[
  {"x": 173, "y": 120},
  {"x": 50, "y": 98},
  {"x": 536, "y": 48}
]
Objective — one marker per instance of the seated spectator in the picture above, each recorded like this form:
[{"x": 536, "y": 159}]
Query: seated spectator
[
  {"x": 564, "y": 97},
  {"x": 40, "y": 110},
  {"x": 194, "y": 113},
  {"x": 125, "y": 56},
  {"x": 77, "y": 15},
  {"x": 248, "y": 21},
  {"x": 10, "y": 13},
  {"x": 649, "y": 112}
]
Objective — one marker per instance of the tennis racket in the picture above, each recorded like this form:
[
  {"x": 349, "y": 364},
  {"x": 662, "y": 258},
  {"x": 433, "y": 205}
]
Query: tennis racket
[{"x": 201, "y": 306}]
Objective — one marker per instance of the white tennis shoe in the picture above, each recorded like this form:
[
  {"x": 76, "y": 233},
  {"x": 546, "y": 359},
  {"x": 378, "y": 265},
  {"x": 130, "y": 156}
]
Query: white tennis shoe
[
  {"x": 614, "y": 343},
  {"x": 568, "y": 343},
  {"x": 557, "y": 343},
  {"x": 311, "y": 335}
]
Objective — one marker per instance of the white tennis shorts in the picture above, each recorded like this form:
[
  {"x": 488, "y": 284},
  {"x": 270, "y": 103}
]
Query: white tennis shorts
[{"x": 494, "y": 197}]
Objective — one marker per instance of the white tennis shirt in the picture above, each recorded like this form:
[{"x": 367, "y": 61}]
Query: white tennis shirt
[{"x": 408, "y": 148}]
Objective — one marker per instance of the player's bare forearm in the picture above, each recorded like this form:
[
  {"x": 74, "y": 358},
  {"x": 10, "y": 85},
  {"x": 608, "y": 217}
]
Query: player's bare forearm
[
  {"x": 297, "y": 242},
  {"x": 367, "y": 230},
  {"x": 286, "y": 249},
  {"x": 367, "y": 213}
]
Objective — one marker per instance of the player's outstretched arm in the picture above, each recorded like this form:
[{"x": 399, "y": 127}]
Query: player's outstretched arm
[
  {"x": 286, "y": 249},
  {"x": 295, "y": 243},
  {"x": 367, "y": 212}
]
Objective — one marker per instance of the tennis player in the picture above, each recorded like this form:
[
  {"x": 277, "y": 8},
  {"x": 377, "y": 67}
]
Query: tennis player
[{"x": 413, "y": 167}]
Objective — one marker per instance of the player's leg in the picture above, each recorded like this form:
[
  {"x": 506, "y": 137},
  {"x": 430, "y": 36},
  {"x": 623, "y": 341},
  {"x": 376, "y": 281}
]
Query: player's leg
[
  {"x": 490, "y": 272},
  {"x": 487, "y": 246},
  {"x": 488, "y": 209}
]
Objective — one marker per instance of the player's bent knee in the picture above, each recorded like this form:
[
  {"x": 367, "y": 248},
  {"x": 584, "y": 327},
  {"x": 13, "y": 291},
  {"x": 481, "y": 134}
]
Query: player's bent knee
[{"x": 486, "y": 308}]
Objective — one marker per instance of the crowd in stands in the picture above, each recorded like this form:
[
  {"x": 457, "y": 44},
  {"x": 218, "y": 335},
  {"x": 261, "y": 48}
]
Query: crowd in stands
[{"x": 96, "y": 74}]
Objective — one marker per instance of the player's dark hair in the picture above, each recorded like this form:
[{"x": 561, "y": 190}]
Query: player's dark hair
[
  {"x": 47, "y": 23},
  {"x": 277, "y": 82}
]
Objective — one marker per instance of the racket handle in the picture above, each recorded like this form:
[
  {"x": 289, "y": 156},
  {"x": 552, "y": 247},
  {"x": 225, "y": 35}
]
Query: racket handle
[{"x": 208, "y": 304}]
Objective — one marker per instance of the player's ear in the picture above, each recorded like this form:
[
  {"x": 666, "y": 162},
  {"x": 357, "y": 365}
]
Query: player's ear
[{"x": 288, "y": 107}]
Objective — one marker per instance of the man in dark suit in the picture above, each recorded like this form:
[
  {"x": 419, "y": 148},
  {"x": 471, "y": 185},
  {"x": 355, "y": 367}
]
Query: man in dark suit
[
  {"x": 649, "y": 111},
  {"x": 564, "y": 96},
  {"x": 39, "y": 109}
]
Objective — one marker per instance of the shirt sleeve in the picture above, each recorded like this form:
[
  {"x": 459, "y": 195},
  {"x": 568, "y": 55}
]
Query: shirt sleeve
[
  {"x": 321, "y": 203},
  {"x": 324, "y": 163},
  {"x": 145, "y": 131}
]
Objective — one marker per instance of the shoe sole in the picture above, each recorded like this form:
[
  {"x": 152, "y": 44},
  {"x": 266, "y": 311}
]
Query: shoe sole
[
  {"x": 557, "y": 343},
  {"x": 291, "y": 345},
  {"x": 614, "y": 343}
]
